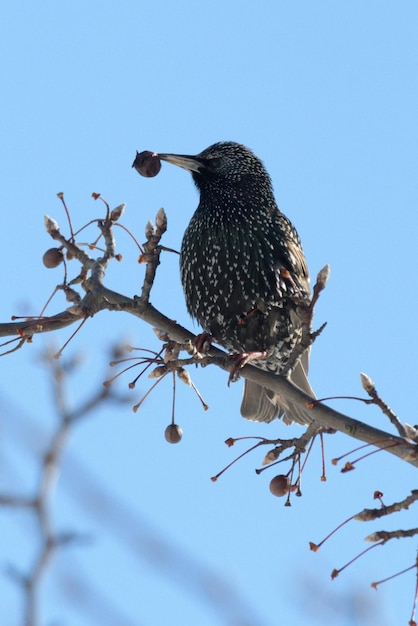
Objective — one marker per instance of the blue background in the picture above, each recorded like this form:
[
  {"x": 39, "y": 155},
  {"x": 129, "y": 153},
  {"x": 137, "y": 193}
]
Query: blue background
[{"x": 326, "y": 94}]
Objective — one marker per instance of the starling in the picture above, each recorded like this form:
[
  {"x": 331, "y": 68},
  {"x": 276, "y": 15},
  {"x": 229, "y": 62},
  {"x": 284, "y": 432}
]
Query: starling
[{"x": 243, "y": 270}]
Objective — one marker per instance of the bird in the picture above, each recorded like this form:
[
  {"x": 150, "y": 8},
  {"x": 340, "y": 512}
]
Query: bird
[{"x": 243, "y": 271}]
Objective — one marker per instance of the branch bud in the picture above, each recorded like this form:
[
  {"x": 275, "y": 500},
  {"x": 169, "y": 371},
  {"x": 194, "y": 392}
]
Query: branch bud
[
  {"x": 157, "y": 372},
  {"x": 323, "y": 276},
  {"x": 117, "y": 212},
  {"x": 271, "y": 456},
  {"x": 184, "y": 376},
  {"x": 149, "y": 230},
  {"x": 50, "y": 224},
  {"x": 367, "y": 383},
  {"x": 161, "y": 220}
]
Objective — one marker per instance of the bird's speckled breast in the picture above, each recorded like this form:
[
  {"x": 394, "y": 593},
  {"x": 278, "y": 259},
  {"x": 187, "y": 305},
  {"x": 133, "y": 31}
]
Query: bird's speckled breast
[{"x": 230, "y": 271}]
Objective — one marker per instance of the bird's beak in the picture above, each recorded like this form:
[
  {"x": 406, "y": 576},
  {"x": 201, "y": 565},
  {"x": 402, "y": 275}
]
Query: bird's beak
[{"x": 189, "y": 163}]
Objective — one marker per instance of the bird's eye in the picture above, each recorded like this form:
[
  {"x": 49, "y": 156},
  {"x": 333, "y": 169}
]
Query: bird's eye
[{"x": 213, "y": 164}]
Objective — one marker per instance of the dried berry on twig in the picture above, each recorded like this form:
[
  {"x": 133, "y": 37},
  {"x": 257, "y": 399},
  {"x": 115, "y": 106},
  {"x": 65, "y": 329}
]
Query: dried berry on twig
[
  {"x": 147, "y": 163},
  {"x": 173, "y": 433},
  {"x": 53, "y": 257},
  {"x": 280, "y": 485}
]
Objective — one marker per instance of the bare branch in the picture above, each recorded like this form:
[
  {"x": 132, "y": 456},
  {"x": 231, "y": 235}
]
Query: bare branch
[
  {"x": 371, "y": 514},
  {"x": 385, "y": 535},
  {"x": 369, "y": 386},
  {"x": 99, "y": 298}
]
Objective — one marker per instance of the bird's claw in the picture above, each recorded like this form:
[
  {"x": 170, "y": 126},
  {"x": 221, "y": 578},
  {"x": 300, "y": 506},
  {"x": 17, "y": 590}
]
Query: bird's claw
[
  {"x": 202, "y": 342},
  {"x": 240, "y": 360}
]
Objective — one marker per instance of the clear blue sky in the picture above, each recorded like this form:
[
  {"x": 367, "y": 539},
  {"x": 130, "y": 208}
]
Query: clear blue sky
[{"x": 326, "y": 94}]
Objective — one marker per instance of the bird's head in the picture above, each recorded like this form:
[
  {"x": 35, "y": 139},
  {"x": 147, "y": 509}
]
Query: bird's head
[{"x": 224, "y": 164}]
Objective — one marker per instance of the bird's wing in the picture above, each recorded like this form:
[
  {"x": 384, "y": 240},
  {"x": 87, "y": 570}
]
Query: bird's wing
[{"x": 288, "y": 252}]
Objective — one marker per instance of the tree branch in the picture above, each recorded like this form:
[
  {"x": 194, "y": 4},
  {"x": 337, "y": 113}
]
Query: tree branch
[
  {"x": 98, "y": 297},
  {"x": 325, "y": 416}
]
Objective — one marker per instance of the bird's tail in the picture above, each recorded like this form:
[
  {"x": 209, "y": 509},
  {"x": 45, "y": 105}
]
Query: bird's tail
[{"x": 262, "y": 405}]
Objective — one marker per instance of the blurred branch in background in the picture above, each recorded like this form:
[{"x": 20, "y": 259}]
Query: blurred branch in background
[{"x": 133, "y": 532}]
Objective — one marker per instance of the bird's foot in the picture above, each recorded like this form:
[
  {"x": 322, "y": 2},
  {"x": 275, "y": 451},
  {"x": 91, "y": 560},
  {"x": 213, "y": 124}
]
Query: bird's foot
[
  {"x": 242, "y": 359},
  {"x": 202, "y": 342}
]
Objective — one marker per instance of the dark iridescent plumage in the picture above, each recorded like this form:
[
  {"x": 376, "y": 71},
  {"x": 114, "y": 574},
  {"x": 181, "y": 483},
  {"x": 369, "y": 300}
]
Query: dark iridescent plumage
[{"x": 243, "y": 268}]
